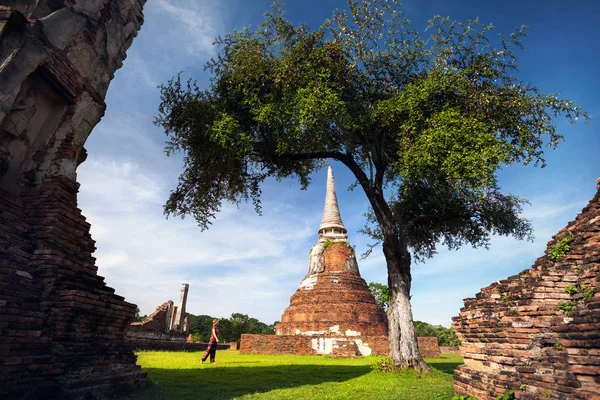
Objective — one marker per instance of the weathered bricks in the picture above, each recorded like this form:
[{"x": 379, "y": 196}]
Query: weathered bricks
[
  {"x": 551, "y": 350},
  {"x": 61, "y": 328}
]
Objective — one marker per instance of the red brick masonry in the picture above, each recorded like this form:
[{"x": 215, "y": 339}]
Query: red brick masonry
[
  {"x": 540, "y": 330},
  {"x": 61, "y": 328},
  {"x": 302, "y": 345},
  {"x": 334, "y": 297}
]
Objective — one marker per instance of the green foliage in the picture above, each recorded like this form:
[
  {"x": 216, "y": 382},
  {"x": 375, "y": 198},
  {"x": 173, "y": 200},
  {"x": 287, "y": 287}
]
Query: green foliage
[
  {"x": 588, "y": 291},
  {"x": 423, "y": 123},
  {"x": 328, "y": 243},
  {"x": 559, "y": 346},
  {"x": 462, "y": 397},
  {"x": 546, "y": 394},
  {"x": 571, "y": 290},
  {"x": 230, "y": 329},
  {"x": 445, "y": 336},
  {"x": 385, "y": 364},
  {"x": 522, "y": 387},
  {"x": 506, "y": 298},
  {"x": 137, "y": 317},
  {"x": 561, "y": 248},
  {"x": 449, "y": 110},
  {"x": 381, "y": 293},
  {"x": 507, "y": 395},
  {"x": 179, "y": 375},
  {"x": 566, "y": 306}
]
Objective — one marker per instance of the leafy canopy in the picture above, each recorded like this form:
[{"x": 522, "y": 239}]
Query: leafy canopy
[
  {"x": 381, "y": 294},
  {"x": 423, "y": 123}
]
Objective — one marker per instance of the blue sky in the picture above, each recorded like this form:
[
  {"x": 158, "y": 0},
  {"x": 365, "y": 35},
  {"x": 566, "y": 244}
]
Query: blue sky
[{"x": 252, "y": 264}]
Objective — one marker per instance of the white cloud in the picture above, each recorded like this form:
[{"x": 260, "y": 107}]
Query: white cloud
[
  {"x": 241, "y": 264},
  {"x": 200, "y": 20}
]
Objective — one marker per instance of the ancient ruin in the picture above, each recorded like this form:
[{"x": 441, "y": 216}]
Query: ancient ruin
[
  {"x": 61, "y": 328},
  {"x": 538, "y": 332},
  {"x": 332, "y": 311},
  {"x": 164, "y": 329}
]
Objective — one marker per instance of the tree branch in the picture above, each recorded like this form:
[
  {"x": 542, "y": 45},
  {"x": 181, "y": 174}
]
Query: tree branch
[{"x": 347, "y": 160}]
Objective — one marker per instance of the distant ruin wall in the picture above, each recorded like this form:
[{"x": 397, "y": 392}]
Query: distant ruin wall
[
  {"x": 61, "y": 328},
  {"x": 538, "y": 332},
  {"x": 158, "y": 321},
  {"x": 167, "y": 341},
  {"x": 160, "y": 330},
  {"x": 428, "y": 346},
  {"x": 334, "y": 345},
  {"x": 449, "y": 349}
]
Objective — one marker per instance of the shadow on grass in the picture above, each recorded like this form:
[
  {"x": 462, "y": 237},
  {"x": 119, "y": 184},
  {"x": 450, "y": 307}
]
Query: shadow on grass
[
  {"x": 444, "y": 365},
  {"x": 229, "y": 382}
]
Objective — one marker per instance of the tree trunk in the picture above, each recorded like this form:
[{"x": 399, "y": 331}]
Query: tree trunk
[
  {"x": 402, "y": 338},
  {"x": 403, "y": 348}
]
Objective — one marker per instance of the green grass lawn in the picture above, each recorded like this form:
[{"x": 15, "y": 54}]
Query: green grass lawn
[{"x": 179, "y": 375}]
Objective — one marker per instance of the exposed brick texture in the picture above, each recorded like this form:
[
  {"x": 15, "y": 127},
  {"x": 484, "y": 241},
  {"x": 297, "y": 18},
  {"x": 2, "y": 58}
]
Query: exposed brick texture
[
  {"x": 61, "y": 328},
  {"x": 157, "y": 332},
  {"x": 515, "y": 333},
  {"x": 428, "y": 346},
  {"x": 275, "y": 344},
  {"x": 157, "y": 321},
  {"x": 334, "y": 300},
  {"x": 343, "y": 346},
  {"x": 450, "y": 349}
]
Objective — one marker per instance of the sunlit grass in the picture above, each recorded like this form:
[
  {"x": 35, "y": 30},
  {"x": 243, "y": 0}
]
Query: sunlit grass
[{"x": 179, "y": 375}]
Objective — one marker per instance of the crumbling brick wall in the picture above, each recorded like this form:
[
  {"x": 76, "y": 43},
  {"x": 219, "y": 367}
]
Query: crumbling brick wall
[
  {"x": 538, "y": 332},
  {"x": 61, "y": 328},
  {"x": 152, "y": 333},
  {"x": 157, "y": 321}
]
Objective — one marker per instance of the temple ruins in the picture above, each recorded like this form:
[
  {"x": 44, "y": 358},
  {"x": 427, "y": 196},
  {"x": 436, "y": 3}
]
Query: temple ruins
[
  {"x": 164, "y": 329},
  {"x": 332, "y": 311},
  {"x": 538, "y": 333},
  {"x": 62, "y": 329}
]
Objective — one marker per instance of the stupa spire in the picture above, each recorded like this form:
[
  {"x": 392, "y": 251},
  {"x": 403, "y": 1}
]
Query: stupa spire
[{"x": 332, "y": 226}]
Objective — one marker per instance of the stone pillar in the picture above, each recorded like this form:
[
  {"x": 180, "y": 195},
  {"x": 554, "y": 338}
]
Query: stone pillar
[
  {"x": 61, "y": 328},
  {"x": 169, "y": 317},
  {"x": 180, "y": 316}
]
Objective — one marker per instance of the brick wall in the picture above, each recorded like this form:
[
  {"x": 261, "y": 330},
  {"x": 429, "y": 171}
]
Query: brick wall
[
  {"x": 342, "y": 346},
  {"x": 275, "y": 344},
  {"x": 157, "y": 321},
  {"x": 450, "y": 349},
  {"x": 540, "y": 328},
  {"x": 61, "y": 328},
  {"x": 428, "y": 347},
  {"x": 167, "y": 345}
]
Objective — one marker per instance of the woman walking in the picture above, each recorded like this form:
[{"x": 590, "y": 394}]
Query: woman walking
[{"x": 212, "y": 343}]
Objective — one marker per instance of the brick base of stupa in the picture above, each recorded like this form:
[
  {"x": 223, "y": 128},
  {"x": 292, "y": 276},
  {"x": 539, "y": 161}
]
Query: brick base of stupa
[{"x": 334, "y": 301}]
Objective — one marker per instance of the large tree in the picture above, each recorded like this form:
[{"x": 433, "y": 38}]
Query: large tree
[{"x": 423, "y": 124}]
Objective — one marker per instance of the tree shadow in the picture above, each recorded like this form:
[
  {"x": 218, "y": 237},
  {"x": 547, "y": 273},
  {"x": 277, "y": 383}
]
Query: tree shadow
[
  {"x": 226, "y": 383},
  {"x": 443, "y": 365}
]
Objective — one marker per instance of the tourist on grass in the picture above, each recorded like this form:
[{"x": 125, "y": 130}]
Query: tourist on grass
[{"x": 212, "y": 343}]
